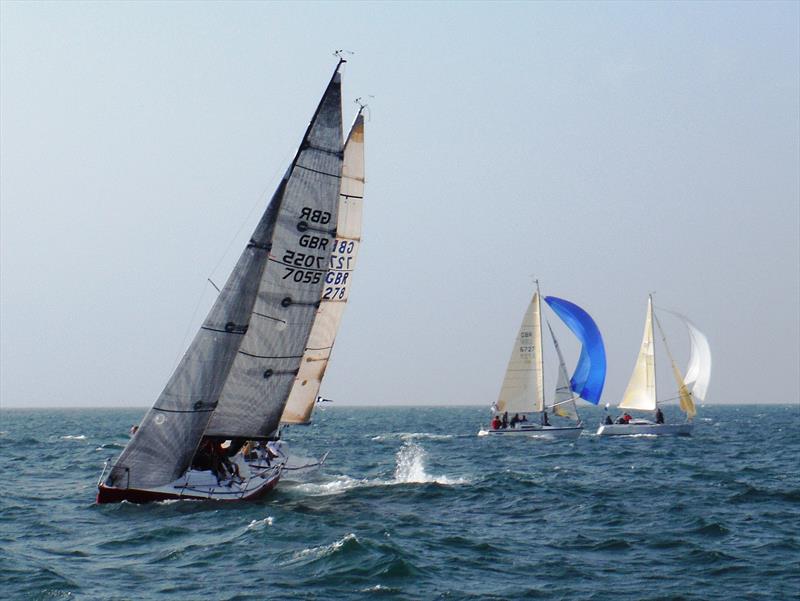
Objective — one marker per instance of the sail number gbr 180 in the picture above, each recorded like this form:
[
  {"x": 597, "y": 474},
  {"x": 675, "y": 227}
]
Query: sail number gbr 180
[{"x": 343, "y": 258}]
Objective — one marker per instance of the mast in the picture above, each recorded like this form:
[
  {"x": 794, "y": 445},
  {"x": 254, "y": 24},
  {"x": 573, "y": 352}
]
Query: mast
[
  {"x": 655, "y": 380},
  {"x": 539, "y": 354}
]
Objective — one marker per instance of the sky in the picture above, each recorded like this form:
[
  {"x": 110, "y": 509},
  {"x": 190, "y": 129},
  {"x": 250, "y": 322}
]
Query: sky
[{"x": 609, "y": 150}]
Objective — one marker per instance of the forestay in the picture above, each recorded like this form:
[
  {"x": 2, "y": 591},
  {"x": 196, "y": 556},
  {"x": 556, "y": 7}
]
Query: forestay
[
  {"x": 641, "y": 390},
  {"x": 523, "y": 386},
  {"x": 338, "y": 280},
  {"x": 589, "y": 376},
  {"x": 242, "y": 360}
]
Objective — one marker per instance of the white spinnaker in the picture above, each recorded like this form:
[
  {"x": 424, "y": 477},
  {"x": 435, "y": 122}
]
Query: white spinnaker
[
  {"x": 523, "y": 386},
  {"x": 641, "y": 390},
  {"x": 337, "y": 282},
  {"x": 564, "y": 403},
  {"x": 698, "y": 371}
]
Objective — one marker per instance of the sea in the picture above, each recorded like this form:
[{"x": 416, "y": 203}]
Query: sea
[{"x": 411, "y": 504}]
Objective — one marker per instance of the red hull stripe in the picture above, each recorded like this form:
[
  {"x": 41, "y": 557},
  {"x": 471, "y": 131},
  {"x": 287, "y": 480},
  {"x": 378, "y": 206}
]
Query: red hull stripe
[{"x": 107, "y": 494}]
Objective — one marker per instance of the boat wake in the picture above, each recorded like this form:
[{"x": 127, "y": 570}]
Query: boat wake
[{"x": 410, "y": 468}]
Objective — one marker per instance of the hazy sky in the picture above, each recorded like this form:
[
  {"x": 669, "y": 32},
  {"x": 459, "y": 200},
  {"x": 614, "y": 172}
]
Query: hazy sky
[{"x": 608, "y": 149}]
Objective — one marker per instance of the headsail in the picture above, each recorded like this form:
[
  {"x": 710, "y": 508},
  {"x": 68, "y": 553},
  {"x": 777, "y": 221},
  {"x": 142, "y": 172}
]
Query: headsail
[
  {"x": 686, "y": 402},
  {"x": 337, "y": 282},
  {"x": 238, "y": 368},
  {"x": 564, "y": 401},
  {"x": 641, "y": 390},
  {"x": 590, "y": 373},
  {"x": 523, "y": 386},
  {"x": 698, "y": 372}
]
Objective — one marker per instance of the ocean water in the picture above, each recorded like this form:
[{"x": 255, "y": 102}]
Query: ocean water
[{"x": 412, "y": 505}]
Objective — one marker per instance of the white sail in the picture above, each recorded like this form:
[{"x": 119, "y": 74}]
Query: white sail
[
  {"x": 337, "y": 282},
  {"x": 523, "y": 386},
  {"x": 698, "y": 372},
  {"x": 641, "y": 390},
  {"x": 564, "y": 400}
]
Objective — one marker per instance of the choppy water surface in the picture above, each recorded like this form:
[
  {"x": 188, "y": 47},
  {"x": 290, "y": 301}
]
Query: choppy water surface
[{"x": 412, "y": 505}]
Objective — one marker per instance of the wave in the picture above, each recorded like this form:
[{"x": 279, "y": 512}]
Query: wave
[
  {"x": 75, "y": 437},
  {"x": 349, "y": 542},
  {"x": 267, "y": 521},
  {"x": 109, "y": 445},
  {"x": 410, "y": 468}
]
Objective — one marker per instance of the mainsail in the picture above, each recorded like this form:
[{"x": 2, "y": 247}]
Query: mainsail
[
  {"x": 589, "y": 376},
  {"x": 523, "y": 386},
  {"x": 337, "y": 282},
  {"x": 235, "y": 377},
  {"x": 641, "y": 390}
]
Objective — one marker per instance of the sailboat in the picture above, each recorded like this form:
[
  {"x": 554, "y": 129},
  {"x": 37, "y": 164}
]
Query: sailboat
[
  {"x": 522, "y": 391},
  {"x": 213, "y": 433},
  {"x": 641, "y": 391}
]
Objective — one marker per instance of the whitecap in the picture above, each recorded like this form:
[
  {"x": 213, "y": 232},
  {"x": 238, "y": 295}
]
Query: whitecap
[
  {"x": 411, "y": 436},
  {"x": 267, "y": 521},
  {"x": 71, "y": 437},
  {"x": 323, "y": 550},
  {"x": 379, "y": 588},
  {"x": 410, "y": 467}
]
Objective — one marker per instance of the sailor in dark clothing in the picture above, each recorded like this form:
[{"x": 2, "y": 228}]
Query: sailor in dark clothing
[
  {"x": 545, "y": 421},
  {"x": 659, "y": 416},
  {"x": 515, "y": 420},
  {"x": 505, "y": 419}
]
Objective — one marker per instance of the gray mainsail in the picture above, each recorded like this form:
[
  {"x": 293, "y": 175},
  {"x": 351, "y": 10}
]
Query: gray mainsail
[{"x": 235, "y": 377}]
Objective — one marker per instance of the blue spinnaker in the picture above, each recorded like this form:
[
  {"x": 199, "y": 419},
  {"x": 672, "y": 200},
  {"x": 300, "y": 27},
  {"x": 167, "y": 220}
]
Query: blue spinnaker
[{"x": 590, "y": 374}]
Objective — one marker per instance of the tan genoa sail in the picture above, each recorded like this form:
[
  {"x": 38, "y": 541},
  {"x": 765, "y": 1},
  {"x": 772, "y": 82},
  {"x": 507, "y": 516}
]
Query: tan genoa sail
[
  {"x": 523, "y": 386},
  {"x": 337, "y": 282},
  {"x": 641, "y": 391},
  {"x": 686, "y": 402}
]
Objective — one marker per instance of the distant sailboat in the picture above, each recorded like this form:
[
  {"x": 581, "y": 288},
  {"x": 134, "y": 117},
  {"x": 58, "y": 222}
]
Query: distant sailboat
[
  {"x": 641, "y": 391},
  {"x": 212, "y": 432},
  {"x": 522, "y": 391}
]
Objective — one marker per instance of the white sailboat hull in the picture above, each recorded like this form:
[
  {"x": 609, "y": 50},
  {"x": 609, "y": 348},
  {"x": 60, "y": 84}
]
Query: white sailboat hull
[
  {"x": 646, "y": 428},
  {"x": 547, "y": 432}
]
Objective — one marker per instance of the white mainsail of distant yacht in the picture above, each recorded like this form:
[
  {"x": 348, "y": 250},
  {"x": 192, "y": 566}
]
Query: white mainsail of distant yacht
[
  {"x": 640, "y": 394},
  {"x": 522, "y": 391},
  {"x": 212, "y": 432}
]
